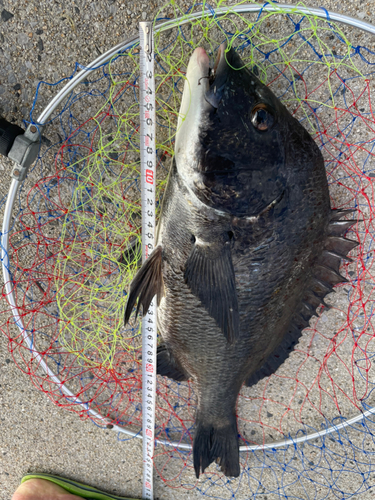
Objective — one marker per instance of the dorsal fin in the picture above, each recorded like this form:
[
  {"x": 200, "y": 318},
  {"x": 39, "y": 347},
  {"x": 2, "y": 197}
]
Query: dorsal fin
[
  {"x": 336, "y": 214},
  {"x": 339, "y": 227},
  {"x": 324, "y": 275},
  {"x": 340, "y": 245}
]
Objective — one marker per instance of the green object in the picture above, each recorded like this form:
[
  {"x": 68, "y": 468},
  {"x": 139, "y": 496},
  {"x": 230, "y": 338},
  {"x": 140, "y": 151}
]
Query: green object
[{"x": 75, "y": 488}]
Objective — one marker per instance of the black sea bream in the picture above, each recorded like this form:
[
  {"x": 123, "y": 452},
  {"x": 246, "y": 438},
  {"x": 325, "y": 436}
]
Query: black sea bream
[{"x": 248, "y": 245}]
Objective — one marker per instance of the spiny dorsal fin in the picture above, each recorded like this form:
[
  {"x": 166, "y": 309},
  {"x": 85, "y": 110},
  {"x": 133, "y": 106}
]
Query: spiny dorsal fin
[
  {"x": 313, "y": 299},
  {"x": 309, "y": 309},
  {"x": 147, "y": 283},
  {"x": 336, "y": 214},
  {"x": 340, "y": 244},
  {"x": 325, "y": 274},
  {"x": 339, "y": 227},
  {"x": 337, "y": 246},
  {"x": 328, "y": 275},
  {"x": 209, "y": 273},
  {"x": 277, "y": 358},
  {"x": 320, "y": 287},
  {"x": 331, "y": 260}
]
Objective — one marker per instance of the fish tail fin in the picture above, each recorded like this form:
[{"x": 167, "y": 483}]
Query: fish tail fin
[{"x": 213, "y": 442}]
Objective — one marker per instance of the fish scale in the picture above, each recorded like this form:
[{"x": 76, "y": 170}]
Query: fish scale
[{"x": 248, "y": 246}]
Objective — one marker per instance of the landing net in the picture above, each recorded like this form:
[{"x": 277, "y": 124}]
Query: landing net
[{"x": 78, "y": 212}]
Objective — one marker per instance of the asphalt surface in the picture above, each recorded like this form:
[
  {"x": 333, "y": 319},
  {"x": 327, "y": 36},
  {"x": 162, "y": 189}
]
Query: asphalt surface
[{"x": 42, "y": 41}]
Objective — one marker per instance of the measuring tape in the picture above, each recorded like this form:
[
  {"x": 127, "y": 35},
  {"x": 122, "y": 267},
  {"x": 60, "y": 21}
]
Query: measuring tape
[{"x": 148, "y": 172}]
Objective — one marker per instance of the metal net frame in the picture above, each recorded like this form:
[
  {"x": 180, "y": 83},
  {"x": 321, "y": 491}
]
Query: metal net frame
[{"x": 307, "y": 430}]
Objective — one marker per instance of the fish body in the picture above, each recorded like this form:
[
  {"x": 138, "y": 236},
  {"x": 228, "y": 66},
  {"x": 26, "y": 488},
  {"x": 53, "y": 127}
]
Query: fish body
[{"x": 248, "y": 245}]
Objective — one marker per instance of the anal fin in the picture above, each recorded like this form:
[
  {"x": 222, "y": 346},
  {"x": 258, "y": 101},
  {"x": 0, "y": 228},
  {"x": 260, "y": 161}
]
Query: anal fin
[{"x": 168, "y": 366}]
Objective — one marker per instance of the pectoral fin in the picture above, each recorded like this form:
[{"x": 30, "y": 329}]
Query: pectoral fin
[
  {"x": 147, "y": 283},
  {"x": 210, "y": 276}
]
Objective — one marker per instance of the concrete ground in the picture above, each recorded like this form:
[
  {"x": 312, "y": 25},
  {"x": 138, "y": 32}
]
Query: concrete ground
[{"x": 41, "y": 40}]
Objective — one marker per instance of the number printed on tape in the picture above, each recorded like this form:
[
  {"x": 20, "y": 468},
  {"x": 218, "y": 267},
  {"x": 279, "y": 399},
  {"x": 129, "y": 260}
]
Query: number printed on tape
[
  {"x": 149, "y": 368},
  {"x": 148, "y": 177}
]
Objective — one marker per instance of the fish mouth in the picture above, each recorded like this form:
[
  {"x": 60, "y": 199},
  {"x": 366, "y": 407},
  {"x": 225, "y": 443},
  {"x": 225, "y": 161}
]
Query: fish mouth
[
  {"x": 203, "y": 89},
  {"x": 217, "y": 77},
  {"x": 220, "y": 56}
]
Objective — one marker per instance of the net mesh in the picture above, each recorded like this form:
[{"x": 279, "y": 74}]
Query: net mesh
[{"x": 71, "y": 261}]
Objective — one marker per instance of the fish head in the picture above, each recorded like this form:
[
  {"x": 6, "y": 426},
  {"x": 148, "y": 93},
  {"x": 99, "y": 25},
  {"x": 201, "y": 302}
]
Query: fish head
[{"x": 232, "y": 136}]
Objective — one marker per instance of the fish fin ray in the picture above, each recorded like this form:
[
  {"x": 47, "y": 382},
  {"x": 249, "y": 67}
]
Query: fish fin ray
[
  {"x": 168, "y": 366},
  {"x": 309, "y": 308},
  {"x": 339, "y": 227},
  {"x": 277, "y": 358},
  {"x": 147, "y": 283},
  {"x": 328, "y": 275},
  {"x": 336, "y": 214},
  {"x": 325, "y": 275},
  {"x": 331, "y": 260},
  {"x": 340, "y": 244},
  {"x": 212, "y": 280},
  {"x": 216, "y": 443}
]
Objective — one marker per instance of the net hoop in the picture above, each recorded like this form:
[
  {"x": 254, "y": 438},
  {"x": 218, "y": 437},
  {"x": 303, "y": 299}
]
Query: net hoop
[{"x": 43, "y": 117}]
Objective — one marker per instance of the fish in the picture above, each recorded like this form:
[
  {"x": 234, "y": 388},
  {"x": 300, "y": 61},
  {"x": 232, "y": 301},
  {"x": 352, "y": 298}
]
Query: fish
[{"x": 248, "y": 245}]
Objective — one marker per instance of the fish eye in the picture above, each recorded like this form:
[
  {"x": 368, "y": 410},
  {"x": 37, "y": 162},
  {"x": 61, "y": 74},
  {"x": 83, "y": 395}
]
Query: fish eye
[{"x": 261, "y": 117}]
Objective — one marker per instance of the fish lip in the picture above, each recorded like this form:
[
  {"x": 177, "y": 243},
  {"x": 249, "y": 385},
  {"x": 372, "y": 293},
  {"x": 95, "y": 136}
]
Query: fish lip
[
  {"x": 219, "y": 57},
  {"x": 217, "y": 78}
]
